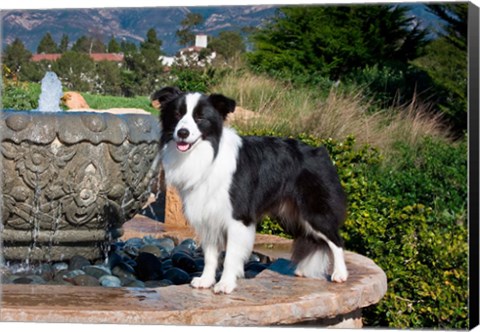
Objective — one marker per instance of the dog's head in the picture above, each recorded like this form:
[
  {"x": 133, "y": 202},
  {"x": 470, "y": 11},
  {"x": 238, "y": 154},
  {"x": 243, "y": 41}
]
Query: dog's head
[{"x": 190, "y": 117}]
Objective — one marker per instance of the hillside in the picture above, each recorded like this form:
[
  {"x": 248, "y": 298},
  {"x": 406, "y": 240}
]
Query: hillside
[
  {"x": 132, "y": 24},
  {"x": 129, "y": 24}
]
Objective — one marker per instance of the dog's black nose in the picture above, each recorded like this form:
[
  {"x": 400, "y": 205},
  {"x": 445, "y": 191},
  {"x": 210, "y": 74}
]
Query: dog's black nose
[{"x": 183, "y": 133}]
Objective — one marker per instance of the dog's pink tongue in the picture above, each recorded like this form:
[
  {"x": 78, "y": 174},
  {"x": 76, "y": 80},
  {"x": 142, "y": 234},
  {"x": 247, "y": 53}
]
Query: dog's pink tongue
[{"x": 183, "y": 146}]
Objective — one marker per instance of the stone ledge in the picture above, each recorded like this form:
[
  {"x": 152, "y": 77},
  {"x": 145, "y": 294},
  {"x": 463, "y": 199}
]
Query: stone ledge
[{"x": 269, "y": 299}]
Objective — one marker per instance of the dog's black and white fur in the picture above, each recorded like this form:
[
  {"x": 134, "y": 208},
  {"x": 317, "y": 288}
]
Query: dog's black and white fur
[{"x": 227, "y": 183}]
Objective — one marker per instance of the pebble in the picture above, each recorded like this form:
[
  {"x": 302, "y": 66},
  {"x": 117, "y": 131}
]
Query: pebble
[
  {"x": 185, "y": 262},
  {"x": 60, "y": 266},
  {"x": 154, "y": 250},
  {"x": 110, "y": 281},
  {"x": 189, "y": 243},
  {"x": 138, "y": 263},
  {"x": 96, "y": 271},
  {"x": 158, "y": 283},
  {"x": 46, "y": 272},
  {"x": 85, "y": 280},
  {"x": 253, "y": 268},
  {"x": 166, "y": 243},
  {"x": 149, "y": 267},
  {"x": 73, "y": 274},
  {"x": 124, "y": 271},
  {"x": 167, "y": 264},
  {"x": 59, "y": 276},
  {"x": 177, "y": 276},
  {"x": 23, "y": 280},
  {"x": 134, "y": 283},
  {"x": 200, "y": 262},
  {"x": 77, "y": 262},
  {"x": 114, "y": 258}
]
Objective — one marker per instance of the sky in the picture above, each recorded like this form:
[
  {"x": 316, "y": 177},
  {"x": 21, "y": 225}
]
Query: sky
[{"x": 25, "y": 4}]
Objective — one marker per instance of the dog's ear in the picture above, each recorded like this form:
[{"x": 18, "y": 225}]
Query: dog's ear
[
  {"x": 165, "y": 95},
  {"x": 222, "y": 104}
]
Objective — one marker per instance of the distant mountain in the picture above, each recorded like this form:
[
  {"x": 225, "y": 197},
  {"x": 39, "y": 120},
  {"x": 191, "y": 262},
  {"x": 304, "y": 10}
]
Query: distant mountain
[{"x": 132, "y": 24}]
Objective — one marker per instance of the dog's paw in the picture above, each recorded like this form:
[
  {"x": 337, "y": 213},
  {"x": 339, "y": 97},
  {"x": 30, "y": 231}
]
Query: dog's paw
[
  {"x": 339, "y": 275},
  {"x": 224, "y": 287},
  {"x": 201, "y": 282}
]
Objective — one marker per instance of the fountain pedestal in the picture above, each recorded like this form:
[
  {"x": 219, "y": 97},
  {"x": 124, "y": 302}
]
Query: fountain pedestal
[{"x": 70, "y": 180}]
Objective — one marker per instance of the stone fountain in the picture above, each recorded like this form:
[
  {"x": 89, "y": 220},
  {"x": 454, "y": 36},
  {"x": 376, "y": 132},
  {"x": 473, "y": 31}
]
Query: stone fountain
[
  {"x": 70, "y": 182},
  {"x": 71, "y": 179}
]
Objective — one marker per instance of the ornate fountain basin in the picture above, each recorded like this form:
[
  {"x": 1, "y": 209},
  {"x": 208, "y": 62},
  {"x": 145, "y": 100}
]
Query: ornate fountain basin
[{"x": 71, "y": 179}]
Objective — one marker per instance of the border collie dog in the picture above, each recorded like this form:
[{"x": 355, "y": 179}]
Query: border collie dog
[{"x": 228, "y": 182}]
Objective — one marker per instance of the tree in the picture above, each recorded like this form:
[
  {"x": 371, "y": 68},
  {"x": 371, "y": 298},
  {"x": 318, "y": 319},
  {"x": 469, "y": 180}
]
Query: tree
[
  {"x": 76, "y": 70},
  {"x": 88, "y": 45},
  {"x": 446, "y": 63},
  {"x": 47, "y": 45},
  {"x": 127, "y": 47},
  {"x": 152, "y": 43},
  {"x": 332, "y": 41},
  {"x": 185, "y": 34},
  {"x": 143, "y": 68},
  {"x": 228, "y": 44},
  {"x": 108, "y": 78},
  {"x": 455, "y": 17},
  {"x": 113, "y": 46},
  {"x": 63, "y": 47},
  {"x": 16, "y": 55}
]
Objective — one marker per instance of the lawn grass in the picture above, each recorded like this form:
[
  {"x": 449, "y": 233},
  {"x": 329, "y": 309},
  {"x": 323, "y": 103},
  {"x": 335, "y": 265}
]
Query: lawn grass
[{"x": 106, "y": 102}]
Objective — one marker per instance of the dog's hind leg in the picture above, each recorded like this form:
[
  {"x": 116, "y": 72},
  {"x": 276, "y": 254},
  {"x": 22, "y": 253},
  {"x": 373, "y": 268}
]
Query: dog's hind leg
[
  {"x": 311, "y": 255},
  {"x": 340, "y": 273},
  {"x": 207, "y": 279},
  {"x": 240, "y": 240}
]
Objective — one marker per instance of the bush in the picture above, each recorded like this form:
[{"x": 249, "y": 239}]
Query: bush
[
  {"x": 75, "y": 70},
  {"x": 19, "y": 95},
  {"x": 413, "y": 235},
  {"x": 192, "y": 78}
]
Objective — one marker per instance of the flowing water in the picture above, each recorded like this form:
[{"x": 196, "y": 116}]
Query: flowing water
[{"x": 51, "y": 94}]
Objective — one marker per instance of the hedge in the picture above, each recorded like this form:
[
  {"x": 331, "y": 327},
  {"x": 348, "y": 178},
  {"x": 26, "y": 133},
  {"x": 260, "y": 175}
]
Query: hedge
[{"x": 410, "y": 219}]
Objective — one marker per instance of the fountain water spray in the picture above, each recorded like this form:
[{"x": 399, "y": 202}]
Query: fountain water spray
[{"x": 51, "y": 93}]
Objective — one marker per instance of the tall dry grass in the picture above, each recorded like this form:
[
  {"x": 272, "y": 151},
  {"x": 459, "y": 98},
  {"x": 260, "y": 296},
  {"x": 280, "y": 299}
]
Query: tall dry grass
[{"x": 281, "y": 108}]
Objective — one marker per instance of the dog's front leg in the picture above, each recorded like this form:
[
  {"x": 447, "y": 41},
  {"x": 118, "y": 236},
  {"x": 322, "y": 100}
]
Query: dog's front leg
[
  {"x": 210, "y": 252},
  {"x": 240, "y": 240}
]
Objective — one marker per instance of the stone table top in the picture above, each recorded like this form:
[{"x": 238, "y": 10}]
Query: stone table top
[{"x": 268, "y": 299}]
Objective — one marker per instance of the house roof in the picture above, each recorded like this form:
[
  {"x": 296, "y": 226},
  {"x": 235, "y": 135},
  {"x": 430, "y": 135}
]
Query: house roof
[
  {"x": 48, "y": 57},
  {"x": 116, "y": 57}
]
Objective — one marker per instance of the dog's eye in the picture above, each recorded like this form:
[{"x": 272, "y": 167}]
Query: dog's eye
[{"x": 178, "y": 115}]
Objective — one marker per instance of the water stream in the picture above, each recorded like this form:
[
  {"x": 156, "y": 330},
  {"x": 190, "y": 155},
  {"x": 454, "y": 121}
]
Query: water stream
[{"x": 51, "y": 93}]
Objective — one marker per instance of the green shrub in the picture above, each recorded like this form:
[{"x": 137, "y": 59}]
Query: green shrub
[
  {"x": 19, "y": 95},
  {"x": 433, "y": 173},
  {"x": 192, "y": 78},
  {"x": 414, "y": 237}
]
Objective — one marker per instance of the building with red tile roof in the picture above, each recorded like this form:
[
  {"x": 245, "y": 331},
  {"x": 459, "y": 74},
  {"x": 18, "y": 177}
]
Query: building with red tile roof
[{"x": 115, "y": 57}]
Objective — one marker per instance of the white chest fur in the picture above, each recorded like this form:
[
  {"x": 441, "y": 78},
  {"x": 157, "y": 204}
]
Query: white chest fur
[{"x": 204, "y": 182}]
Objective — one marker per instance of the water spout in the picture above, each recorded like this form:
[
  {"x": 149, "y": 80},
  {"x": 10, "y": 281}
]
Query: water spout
[{"x": 51, "y": 93}]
